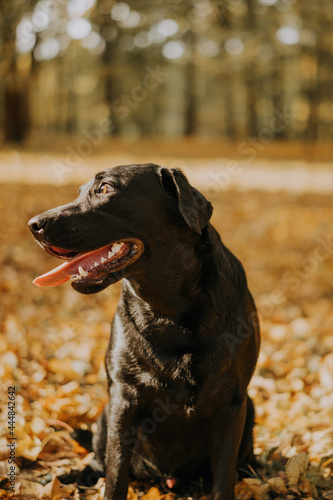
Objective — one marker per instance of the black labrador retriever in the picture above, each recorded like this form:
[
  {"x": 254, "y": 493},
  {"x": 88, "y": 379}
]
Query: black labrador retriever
[{"x": 185, "y": 337}]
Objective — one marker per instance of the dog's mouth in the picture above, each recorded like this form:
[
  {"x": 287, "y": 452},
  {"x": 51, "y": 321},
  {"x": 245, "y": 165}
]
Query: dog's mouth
[{"x": 91, "y": 267}]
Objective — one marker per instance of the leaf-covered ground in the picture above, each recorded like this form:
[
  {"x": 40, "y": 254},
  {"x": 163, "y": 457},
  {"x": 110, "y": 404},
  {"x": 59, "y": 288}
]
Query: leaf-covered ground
[{"x": 53, "y": 341}]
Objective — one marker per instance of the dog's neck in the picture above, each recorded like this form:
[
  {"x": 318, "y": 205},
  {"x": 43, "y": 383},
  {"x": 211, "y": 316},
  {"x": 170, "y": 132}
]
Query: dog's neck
[
  {"x": 181, "y": 284},
  {"x": 169, "y": 291}
]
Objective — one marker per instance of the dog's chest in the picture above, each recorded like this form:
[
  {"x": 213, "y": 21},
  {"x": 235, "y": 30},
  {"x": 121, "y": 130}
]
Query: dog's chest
[
  {"x": 172, "y": 382},
  {"x": 153, "y": 354},
  {"x": 167, "y": 371},
  {"x": 157, "y": 360}
]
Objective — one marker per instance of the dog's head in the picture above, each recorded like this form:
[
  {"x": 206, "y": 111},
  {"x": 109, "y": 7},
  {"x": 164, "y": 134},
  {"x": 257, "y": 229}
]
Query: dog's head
[{"x": 119, "y": 218}]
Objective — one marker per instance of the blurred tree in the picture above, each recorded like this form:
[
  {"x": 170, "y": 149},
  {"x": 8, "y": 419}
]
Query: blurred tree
[
  {"x": 15, "y": 74},
  {"x": 190, "y": 86},
  {"x": 167, "y": 68}
]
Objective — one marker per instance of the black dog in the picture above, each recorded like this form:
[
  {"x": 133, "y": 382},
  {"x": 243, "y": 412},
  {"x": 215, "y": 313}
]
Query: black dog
[{"x": 185, "y": 338}]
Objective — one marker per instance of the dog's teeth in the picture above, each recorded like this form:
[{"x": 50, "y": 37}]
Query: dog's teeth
[
  {"x": 117, "y": 247},
  {"x": 110, "y": 255},
  {"x": 74, "y": 277},
  {"x": 103, "y": 260},
  {"x": 82, "y": 272},
  {"x": 96, "y": 264}
]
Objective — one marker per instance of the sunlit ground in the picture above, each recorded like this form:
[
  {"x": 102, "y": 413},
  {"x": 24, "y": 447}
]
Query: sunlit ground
[{"x": 53, "y": 342}]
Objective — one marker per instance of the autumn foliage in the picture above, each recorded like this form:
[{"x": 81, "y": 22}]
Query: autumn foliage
[{"x": 53, "y": 341}]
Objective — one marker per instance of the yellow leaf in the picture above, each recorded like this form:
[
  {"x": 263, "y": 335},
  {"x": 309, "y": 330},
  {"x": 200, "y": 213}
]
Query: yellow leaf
[
  {"x": 153, "y": 494},
  {"x": 131, "y": 495},
  {"x": 251, "y": 481}
]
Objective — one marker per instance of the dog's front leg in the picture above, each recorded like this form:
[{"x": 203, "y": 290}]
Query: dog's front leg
[
  {"x": 226, "y": 435},
  {"x": 122, "y": 410}
]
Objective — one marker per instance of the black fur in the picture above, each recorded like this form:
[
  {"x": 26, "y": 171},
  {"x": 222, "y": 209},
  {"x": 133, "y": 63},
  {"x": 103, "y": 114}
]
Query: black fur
[{"x": 185, "y": 337}]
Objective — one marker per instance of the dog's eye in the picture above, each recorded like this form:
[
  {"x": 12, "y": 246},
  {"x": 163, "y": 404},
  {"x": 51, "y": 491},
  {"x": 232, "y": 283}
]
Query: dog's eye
[{"x": 106, "y": 188}]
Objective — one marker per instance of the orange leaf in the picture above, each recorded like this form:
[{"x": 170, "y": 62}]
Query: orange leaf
[
  {"x": 153, "y": 494},
  {"x": 131, "y": 495}
]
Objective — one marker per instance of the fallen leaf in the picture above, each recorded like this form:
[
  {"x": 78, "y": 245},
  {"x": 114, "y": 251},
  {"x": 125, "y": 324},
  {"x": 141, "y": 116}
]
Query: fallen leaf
[
  {"x": 317, "y": 478},
  {"x": 277, "y": 484},
  {"x": 54, "y": 490},
  {"x": 131, "y": 495},
  {"x": 30, "y": 489},
  {"x": 329, "y": 495},
  {"x": 251, "y": 488},
  {"x": 296, "y": 466},
  {"x": 153, "y": 494}
]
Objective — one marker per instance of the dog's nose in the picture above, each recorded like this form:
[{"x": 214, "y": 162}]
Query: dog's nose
[{"x": 37, "y": 225}]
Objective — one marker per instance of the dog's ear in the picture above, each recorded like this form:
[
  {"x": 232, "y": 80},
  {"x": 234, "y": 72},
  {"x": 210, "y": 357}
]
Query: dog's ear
[{"x": 193, "y": 206}]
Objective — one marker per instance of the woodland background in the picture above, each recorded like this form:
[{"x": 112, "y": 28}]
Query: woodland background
[
  {"x": 240, "y": 95},
  {"x": 166, "y": 69}
]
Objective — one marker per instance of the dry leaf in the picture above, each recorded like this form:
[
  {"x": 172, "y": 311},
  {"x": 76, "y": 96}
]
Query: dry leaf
[
  {"x": 329, "y": 495},
  {"x": 131, "y": 495},
  {"x": 277, "y": 484},
  {"x": 173, "y": 496},
  {"x": 326, "y": 372},
  {"x": 316, "y": 478},
  {"x": 54, "y": 490},
  {"x": 31, "y": 488},
  {"x": 52, "y": 342},
  {"x": 296, "y": 466},
  {"x": 251, "y": 488},
  {"x": 305, "y": 486},
  {"x": 153, "y": 494}
]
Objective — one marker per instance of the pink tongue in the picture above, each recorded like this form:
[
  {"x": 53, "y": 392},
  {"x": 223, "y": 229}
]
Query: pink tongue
[
  {"x": 171, "y": 482},
  {"x": 62, "y": 273}
]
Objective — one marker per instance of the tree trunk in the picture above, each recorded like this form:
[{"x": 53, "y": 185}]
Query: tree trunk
[
  {"x": 16, "y": 114},
  {"x": 190, "y": 95}
]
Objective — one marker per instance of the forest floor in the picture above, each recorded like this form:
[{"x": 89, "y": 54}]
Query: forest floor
[{"x": 52, "y": 341}]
